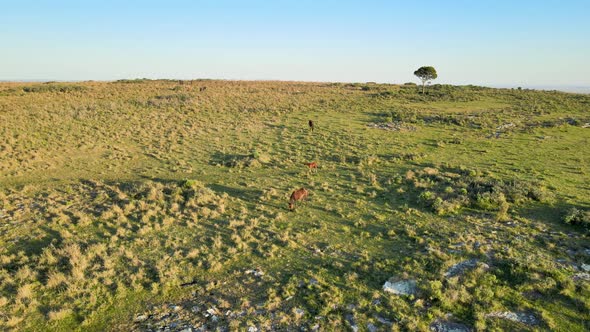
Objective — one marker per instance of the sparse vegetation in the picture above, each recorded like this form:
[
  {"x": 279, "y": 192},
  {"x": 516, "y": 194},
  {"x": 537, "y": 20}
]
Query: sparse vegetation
[{"x": 143, "y": 203}]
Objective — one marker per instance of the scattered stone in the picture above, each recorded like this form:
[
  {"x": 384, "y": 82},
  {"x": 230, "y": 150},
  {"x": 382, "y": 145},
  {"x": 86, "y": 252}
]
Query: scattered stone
[
  {"x": 519, "y": 317},
  {"x": 352, "y": 323},
  {"x": 371, "y": 328},
  {"x": 299, "y": 312},
  {"x": 495, "y": 134},
  {"x": 564, "y": 263},
  {"x": 382, "y": 320},
  {"x": 252, "y": 329},
  {"x": 402, "y": 287},
  {"x": 461, "y": 267},
  {"x": 255, "y": 272},
  {"x": 585, "y": 267},
  {"x": 313, "y": 281},
  {"x": 506, "y": 126},
  {"x": 140, "y": 318},
  {"x": 392, "y": 126},
  {"x": 446, "y": 326},
  {"x": 586, "y": 125},
  {"x": 581, "y": 276}
]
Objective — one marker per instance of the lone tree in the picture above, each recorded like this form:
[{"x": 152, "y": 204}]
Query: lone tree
[{"x": 426, "y": 74}]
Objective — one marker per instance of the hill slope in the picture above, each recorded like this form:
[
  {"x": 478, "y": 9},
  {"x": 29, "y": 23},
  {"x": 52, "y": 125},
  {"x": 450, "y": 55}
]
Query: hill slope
[{"x": 144, "y": 204}]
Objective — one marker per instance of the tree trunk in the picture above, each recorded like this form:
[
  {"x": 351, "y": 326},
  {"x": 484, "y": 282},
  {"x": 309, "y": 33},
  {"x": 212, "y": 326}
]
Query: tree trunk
[{"x": 423, "y": 83}]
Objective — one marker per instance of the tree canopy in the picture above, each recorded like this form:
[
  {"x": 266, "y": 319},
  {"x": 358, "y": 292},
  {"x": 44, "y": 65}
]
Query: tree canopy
[{"x": 426, "y": 73}]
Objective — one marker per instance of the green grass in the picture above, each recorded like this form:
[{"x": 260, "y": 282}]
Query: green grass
[{"x": 114, "y": 195}]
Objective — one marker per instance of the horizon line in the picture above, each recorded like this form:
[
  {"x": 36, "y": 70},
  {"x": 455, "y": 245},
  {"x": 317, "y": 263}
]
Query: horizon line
[{"x": 576, "y": 88}]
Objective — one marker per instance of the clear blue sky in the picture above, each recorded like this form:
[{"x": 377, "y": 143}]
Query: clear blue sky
[{"x": 488, "y": 42}]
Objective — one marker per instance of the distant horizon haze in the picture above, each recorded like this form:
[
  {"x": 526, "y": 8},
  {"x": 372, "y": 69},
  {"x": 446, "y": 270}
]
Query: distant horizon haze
[{"x": 563, "y": 88}]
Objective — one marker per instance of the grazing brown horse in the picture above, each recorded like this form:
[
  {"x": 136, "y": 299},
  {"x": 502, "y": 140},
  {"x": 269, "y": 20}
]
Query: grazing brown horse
[
  {"x": 313, "y": 166},
  {"x": 297, "y": 195},
  {"x": 203, "y": 88},
  {"x": 311, "y": 125}
]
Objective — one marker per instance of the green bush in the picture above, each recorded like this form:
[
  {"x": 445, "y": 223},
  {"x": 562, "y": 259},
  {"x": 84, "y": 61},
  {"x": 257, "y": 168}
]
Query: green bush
[
  {"x": 490, "y": 201},
  {"x": 447, "y": 190},
  {"x": 577, "y": 217}
]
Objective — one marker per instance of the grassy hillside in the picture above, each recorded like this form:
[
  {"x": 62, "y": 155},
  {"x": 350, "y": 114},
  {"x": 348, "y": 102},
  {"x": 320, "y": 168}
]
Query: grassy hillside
[{"x": 139, "y": 205}]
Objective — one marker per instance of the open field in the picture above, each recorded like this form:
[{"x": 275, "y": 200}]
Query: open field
[{"x": 140, "y": 205}]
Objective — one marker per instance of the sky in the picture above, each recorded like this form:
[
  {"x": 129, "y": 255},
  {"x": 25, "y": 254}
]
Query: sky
[{"x": 484, "y": 42}]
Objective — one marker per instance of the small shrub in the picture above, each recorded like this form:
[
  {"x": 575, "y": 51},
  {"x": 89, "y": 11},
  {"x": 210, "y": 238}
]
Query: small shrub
[
  {"x": 53, "y": 88},
  {"x": 577, "y": 217},
  {"x": 490, "y": 201}
]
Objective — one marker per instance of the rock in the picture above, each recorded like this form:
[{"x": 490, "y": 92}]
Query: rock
[
  {"x": 392, "y": 126},
  {"x": 371, "y": 328},
  {"x": 586, "y": 125},
  {"x": 352, "y": 323},
  {"x": 255, "y": 272},
  {"x": 252, "y": 329},
  {"x": 581, "y": 277},
  {"x": 519, "y": 317},
  {"x": 299, "y": 312},
  {"x": 505, "y": 126},
  {"x": 402, "y": 287},
  {"x": 460, "y": 267},
  {"x": 585, "y": 267},
  {"x": 446, "y": 326},
  {"x": 140, "y": 318},
  {"x": 382, "y": 320}
]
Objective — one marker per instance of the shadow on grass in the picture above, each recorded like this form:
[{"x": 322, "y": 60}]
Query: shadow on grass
[
  {"x": 34, "y": 247},
  {"x": 250, "y": 195},
  {"x": 551, "y": 214},
  {"x": 228, "y": 159}
]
